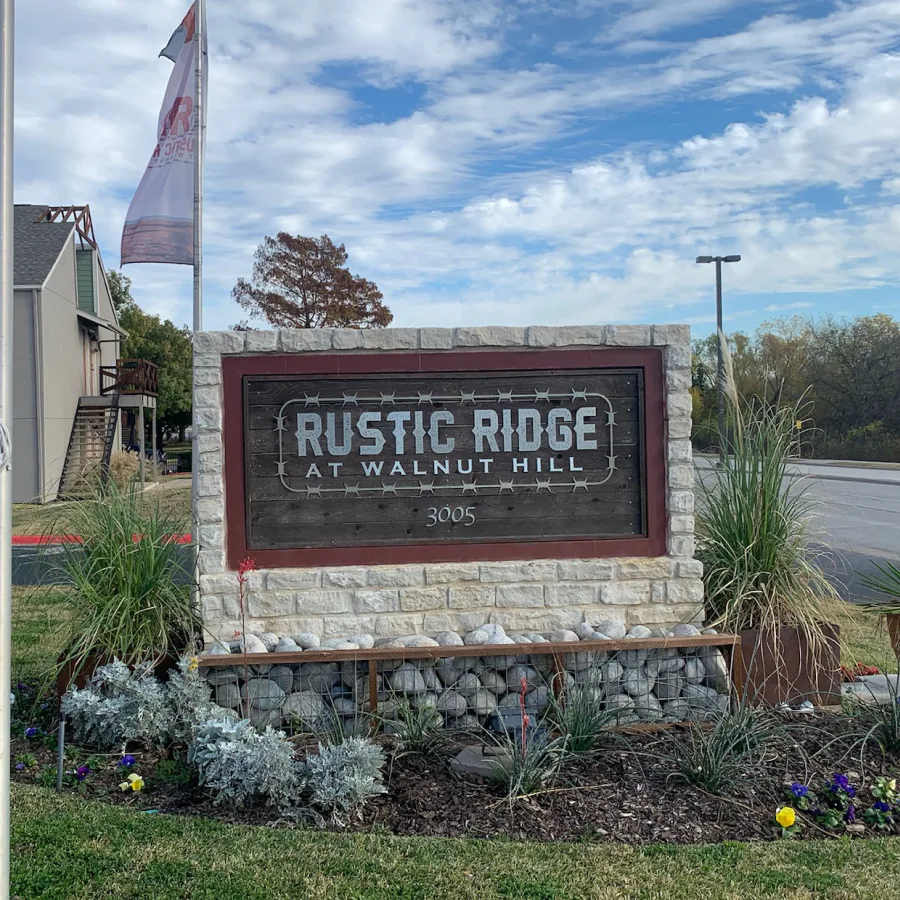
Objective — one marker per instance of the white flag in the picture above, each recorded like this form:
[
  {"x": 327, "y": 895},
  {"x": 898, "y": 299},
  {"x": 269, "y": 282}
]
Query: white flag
[{"x": 159, "y": 226}]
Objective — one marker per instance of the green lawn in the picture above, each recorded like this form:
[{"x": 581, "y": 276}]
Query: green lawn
[
  {"x": 65, "y": 848},
  {"x": 173, "y": 496},
  {"x": 39, "y": 631}
]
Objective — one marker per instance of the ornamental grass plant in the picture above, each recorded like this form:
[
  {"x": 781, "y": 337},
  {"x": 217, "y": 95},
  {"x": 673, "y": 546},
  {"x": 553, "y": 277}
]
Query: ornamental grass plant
[
  {"x": 128, "y": 591},
  {"x": 754, "y": 526}
]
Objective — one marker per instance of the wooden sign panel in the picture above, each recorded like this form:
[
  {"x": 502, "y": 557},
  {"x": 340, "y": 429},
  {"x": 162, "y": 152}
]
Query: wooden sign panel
[{"x": 435, "y": 457}]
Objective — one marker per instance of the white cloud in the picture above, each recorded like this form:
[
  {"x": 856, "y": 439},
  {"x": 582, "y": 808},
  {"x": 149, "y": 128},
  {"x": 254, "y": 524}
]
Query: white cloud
[
  {"x": 785, "y": 307},
  {"x": 454, "y": 204}
]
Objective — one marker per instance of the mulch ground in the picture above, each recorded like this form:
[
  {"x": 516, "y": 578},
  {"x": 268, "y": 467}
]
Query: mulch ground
[{"x": 627, "y": 792}]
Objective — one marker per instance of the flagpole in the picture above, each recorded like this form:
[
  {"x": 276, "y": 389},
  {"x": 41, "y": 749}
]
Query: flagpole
[
  {"x": 7, "y": 13},
  {"x": 199, "y": 147}
]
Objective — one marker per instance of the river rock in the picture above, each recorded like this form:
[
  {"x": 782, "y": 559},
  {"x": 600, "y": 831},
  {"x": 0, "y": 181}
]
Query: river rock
[
  {"x": 478, "y": 636},
  {"x": 307, "y": 707},
  {"x": 283, "y": 676},
  {"x": 511, "y": 701},
  {"x": 600, "y": 636},
  {"x": 521, "y": 639},
  {"x": 535, "y": 638},
  {"x": 421, "y": 640},
  {"x": 264, "y": 694},
  {"x": 584, "y": 631},
  {"x": 717, "y": 676},
  {"x": 611, "y": 671},
  {"x": 648, "y": 708},
  {"x": 218, "y": 649},
  {"x": 563, "y": 636},
  {"x": 269, "y": 639},
  {"x": 467, "y": 684},
  {"x": 344, "y": 708},
  {"x": 306, "y": 640},
  {"x": 452, "y": 703},
  {"x": 493, "y": 681},
  {"x": 227, "y": 675},
  {"x": 620, "y": 702},
  {"x": 633, "y": 659},
  {"x": 700, "y": 697},
  {"x": 679, "y": 710},
  {"x": 694, "y": 670},
  {"x": 318, "y": 677},
  {"x": 662, "y": 666},
  {"x": 685, "y": 630},
  {"x": 636, "y": 683},
  {"x": 252, "y": 643},
  {"x": 338, "y": 644},
  {"x": 432, "y": 681},
  {"x": 408, "y": 680},
  {"x": 227, "y": 695},
  {"x": 639, "y": 631},
  {"x": 449, "y": 639},
  {"x": 613, "y": 628},
  {"x": 484, "y": 703},
  {"x": 493, "y": 630},
  {"x": 287, "y": 645},
  {"x": 538, "y": 699},
  {"x": 669, "y": 685},
  {"x": 577, "y": 662},
  {"x": 515, "y": 674},
  {"x": 468, "y": 722},
  {"x": 363, "y": 641},
  {"x": 427, "y": 700},
  {"x": 262, "y": 718}
]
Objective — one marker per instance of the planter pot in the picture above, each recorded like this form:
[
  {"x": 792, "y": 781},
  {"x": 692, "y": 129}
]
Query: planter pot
[
  {"x": 893, "y": 624},
  {"x": 65, "y": 678},
  {"x": 781, "y": 667}
]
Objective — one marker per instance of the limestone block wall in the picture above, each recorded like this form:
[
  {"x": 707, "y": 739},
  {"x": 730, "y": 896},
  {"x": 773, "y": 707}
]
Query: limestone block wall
[{"x": 397, "y": 600}]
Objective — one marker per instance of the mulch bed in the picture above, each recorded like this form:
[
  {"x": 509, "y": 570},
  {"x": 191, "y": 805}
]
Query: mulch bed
[{"x": 627, "y": 792}]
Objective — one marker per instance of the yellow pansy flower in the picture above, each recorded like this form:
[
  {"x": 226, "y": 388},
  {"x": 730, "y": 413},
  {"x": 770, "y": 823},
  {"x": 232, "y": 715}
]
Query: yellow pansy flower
[
  {"x": 786, "y": 816},
  {"x": 892, "y": 784},
  {"x": 194, "y": 663}
]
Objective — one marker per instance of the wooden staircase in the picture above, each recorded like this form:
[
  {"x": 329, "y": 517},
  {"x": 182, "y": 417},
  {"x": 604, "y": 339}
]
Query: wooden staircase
[{"x": 90, "y": 446}]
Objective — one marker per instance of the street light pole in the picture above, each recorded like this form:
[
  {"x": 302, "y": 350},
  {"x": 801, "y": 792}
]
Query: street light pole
[{"x": 720, "y": 334}]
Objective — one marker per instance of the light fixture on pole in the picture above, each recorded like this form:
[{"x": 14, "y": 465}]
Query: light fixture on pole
[{"x": 720, "y": 368}]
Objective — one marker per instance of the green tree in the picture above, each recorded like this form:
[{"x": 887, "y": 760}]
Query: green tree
[{"x": 162, "y": 342}]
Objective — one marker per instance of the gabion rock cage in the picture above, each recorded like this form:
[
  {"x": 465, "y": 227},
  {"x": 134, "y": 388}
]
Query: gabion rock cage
[{"x": 641, "y": 682}]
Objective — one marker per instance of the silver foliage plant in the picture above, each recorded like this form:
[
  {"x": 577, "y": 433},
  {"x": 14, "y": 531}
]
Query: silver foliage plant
[
  {"x": 119, "y": 705},
  {"x": 187, "y": 693},
  {"x": 242, "y": 766},
  {"x": 340, "y": 779}
]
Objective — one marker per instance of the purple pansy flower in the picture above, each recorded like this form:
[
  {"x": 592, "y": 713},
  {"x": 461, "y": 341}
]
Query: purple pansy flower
[
  {"x": 881, "y": 806},
  {"x": 82, "y": 772},
  {"x": 799, "y": 790},
  {"x": 850, "y": 815},
  {"x": 20, "y": 766},
  {"x": 31, "y": 731},
  {"x": 127, "y": 761}
]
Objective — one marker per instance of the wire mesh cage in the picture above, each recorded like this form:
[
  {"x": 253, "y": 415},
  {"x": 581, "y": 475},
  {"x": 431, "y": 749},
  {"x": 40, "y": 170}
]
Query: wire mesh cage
[{"x": 649, "y": 681}]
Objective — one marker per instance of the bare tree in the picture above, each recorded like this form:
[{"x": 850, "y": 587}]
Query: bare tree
[{"x": 302, "y": 282}]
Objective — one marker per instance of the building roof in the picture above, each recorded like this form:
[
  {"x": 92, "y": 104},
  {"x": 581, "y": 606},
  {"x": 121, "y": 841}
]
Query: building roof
[{"x": 37, "y": 243}]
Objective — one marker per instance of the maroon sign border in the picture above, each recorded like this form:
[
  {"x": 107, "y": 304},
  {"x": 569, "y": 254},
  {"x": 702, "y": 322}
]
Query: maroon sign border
[{"x": 234, "y": 368}]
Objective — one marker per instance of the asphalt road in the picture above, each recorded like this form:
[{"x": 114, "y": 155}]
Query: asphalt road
[
  {"x": 857, "y": 524},
  {"x": 856, "y": 520}
]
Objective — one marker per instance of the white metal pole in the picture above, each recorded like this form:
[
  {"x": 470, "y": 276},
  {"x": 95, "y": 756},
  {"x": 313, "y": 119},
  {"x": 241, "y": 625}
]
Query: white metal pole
[
  {"x": 199, "y": 147},
  {"x": 6, "y": 415}
]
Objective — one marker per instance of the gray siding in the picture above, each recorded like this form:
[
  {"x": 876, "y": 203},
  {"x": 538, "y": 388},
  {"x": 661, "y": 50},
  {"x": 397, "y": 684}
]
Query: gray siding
[
  {"x": 62, "y": 365},
  {"x": 25, "y": 465}
]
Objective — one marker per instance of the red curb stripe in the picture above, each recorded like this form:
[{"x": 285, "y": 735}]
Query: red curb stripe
[{"x": 36, "y": 540}]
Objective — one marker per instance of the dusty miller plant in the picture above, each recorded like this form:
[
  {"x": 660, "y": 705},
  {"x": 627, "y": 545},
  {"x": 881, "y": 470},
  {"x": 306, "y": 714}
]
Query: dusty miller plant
[
  {"x": 119, "y": 705},
  {"x": 187, "y": 693},
  {"x": 242, "y": 766},
  {"x": 340, "y": 779}
]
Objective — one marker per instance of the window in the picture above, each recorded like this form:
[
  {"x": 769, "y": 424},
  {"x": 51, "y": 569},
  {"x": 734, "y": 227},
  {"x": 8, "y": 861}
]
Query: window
[{"x": 84, "y": 274}]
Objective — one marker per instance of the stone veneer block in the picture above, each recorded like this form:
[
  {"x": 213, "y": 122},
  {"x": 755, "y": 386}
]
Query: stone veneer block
[{"x": 394, "y": 600}]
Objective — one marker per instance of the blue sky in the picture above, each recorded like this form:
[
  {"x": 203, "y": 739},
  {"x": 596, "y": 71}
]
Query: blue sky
[{"x": 500, "y": 161}]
